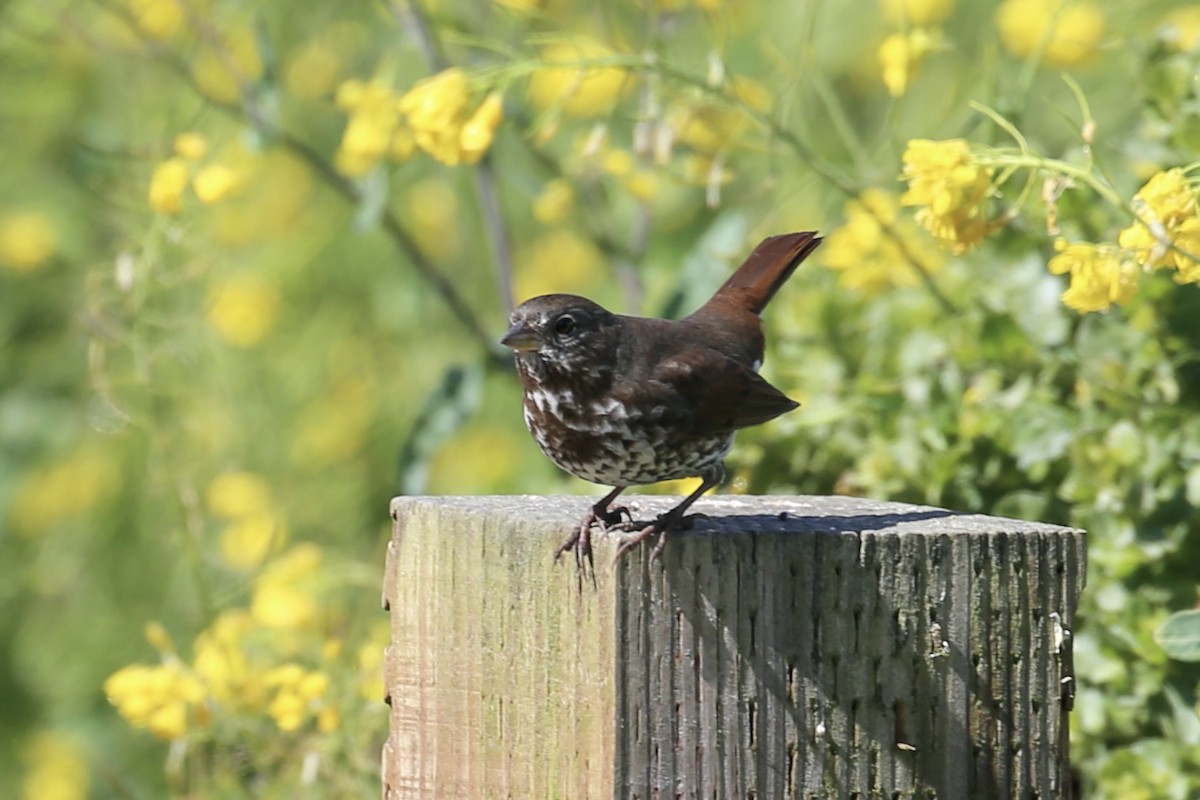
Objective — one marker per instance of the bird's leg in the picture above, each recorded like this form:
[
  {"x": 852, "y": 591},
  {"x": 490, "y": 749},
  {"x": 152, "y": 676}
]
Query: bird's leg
[
  {"x": 580, "y": 539},
  {"x": 670, "y": 520}
]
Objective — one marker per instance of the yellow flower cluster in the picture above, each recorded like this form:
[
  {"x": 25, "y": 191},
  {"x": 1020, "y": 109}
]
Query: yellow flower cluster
[
  {"x": 158, "y": 20},
  {"x": 1166, "y": 236},
  {"x": 1167, "y": 233},
  {"x": 64, "y": 489},
  {"x": 246, "y": 661},
  {"x": 902, "y": 53},
  {"x": 874, "y": 248},
  {"x": 298, "y": 696},
  {"x": 709, "y": 128},
  {"x": 242, "y": 308},
  {"x": 211, "y": 183},
  {"x": 164, "y": 698},
  {"x": 285, "y": 595},
  {"x": 220, "y": 659},
  {"x": 554, "y": 202},
  {"x": 434, "y": 115},
  {"x": 56, "y": 768},
  {"x": 1062, "y": 33},
  {"x": 253, "y": 527},
  {"x": 1100, "y": 275},
  {"x": 28, "y": 239},
  {"x": 950, "y": 190},
  {"x": 225, "y": 66},
  {"x": 570, "y": 85}
]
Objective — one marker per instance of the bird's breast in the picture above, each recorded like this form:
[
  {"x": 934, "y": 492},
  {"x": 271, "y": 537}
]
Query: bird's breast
[{"x": 608, "y": 441}]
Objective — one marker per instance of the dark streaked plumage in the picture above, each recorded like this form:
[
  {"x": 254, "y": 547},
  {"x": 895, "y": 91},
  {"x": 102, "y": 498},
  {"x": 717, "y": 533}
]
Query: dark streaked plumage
[{"x": 623, "y": 401}]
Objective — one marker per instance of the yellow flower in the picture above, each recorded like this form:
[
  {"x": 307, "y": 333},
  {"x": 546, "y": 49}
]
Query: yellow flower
[
  {"x": 435, "y": 108},
  {"x": 901, "y": 56},
  {"x": 1187, "y": 256},
  {"x": 158, "y": 698},
  {"x": 64, "y": 490},
  {"x": 1099, "y": 277},
  {"x": 864, "y": 250},
  {"x": 1065, "y": 34},
  {"x": 706, "y": 128},
  {"x": 432, "y": 207},
  {"x": 159, "y": 638},
  {"x": 751, "y": 92},
  {"x": 191, "y": 146},
  {"x": 554, "y": 202},
  {"x": 475, "y": 460},
  {"x": 242, "y": 309},
  {"x": 617, "y": 162},
  {"x": 1167, "y": 211},
  {"x": 643, "y": 185},
  {"x": 222, "y": 69},
  {"x": 27, "y": 241},
  {"x": 159, "y": 20},
  {"x": 557, "y": 261},
  {"x": 298, "y": 696},
  {"x": 916, "y": 13},
  {"x": 576, "y": 89},
  {"x": 709, "y": 127},
  {"x": 476, "y": 135},
  {"x": 284, "y": 595},
  {"x": 313, "y": 70},
  {"x": 247, "y": 541},
  {"x": 334, "y": 426},
  {"x": 373, "y": 124},
  {"x": 1183, "y": 27},
  {"x": 949, "y": 189},
  {"x": 233, "y": 495},
  {"x": 215, "y": 182},
  {"x": 370, "y": 661},
  {"x": 219, "y": 658},
  {"x": 56, "y": 768},
  {"x": 167, "y": 185}
]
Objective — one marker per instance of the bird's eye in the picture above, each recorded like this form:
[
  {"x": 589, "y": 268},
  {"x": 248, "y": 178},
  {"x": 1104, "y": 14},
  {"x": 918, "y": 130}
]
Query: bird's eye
[{"x": 564, "y": 324}]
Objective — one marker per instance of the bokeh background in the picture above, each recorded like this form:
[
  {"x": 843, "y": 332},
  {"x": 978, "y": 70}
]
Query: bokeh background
[{"x": 255, "y": 257}]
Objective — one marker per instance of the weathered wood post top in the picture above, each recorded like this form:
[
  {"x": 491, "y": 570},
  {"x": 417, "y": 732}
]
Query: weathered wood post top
[{"x": 784, "y": 647}]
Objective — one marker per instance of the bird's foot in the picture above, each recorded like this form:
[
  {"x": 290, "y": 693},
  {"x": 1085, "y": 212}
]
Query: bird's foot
[
  {"x": 580, "y": 540},
  {"x": 662, "y": 526},
  {"x": 666, "y": 523}
]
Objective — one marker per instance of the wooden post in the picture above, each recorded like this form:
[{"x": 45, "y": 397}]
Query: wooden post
[{"x": 786, "y": 647}]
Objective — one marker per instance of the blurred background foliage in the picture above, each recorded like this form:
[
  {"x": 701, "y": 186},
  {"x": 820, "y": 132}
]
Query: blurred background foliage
[{"x": 254, "y": 258}]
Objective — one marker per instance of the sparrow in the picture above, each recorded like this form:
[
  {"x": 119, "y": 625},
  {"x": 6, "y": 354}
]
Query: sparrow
[{"x": 624, "y": 401}]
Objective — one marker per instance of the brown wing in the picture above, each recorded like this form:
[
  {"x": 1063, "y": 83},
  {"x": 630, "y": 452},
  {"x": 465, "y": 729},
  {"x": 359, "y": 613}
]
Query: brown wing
[{"x": 720, "y": 394}]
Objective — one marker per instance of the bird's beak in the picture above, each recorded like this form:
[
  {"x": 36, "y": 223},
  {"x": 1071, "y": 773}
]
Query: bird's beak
[{"x": 522, "y": 337}]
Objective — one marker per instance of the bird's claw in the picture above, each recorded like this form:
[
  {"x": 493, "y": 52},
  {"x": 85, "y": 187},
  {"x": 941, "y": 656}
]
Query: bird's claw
[
  {"x": 580, "y": 540},
  {"x": 662, "y": 526}
]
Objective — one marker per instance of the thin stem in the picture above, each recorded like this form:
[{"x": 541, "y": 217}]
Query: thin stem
[
  {"x": 497, "y": 232},
  {"x": 1036, "y": 162},
  {"x": 404, "y": 242}
]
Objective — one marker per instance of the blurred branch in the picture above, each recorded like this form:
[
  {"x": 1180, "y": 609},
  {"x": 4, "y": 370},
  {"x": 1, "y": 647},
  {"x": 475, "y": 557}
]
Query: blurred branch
[
  {"x": 405, "y": 243},
  {"x": 251, "y": 111},
  {"x": 411, "y": 16}
]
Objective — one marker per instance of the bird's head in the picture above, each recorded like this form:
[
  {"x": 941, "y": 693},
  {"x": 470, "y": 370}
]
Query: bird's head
[{"x": 562, "y": 333}]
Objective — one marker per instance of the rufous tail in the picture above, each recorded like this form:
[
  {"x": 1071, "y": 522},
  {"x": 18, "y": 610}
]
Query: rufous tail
[{"x": 758, "y": 278}]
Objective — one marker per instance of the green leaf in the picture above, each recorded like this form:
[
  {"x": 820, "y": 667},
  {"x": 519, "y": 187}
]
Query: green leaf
[{"x": 1179, "y": 635}]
